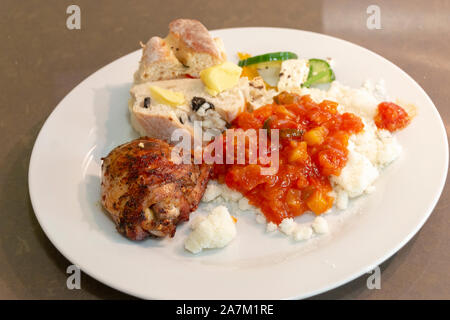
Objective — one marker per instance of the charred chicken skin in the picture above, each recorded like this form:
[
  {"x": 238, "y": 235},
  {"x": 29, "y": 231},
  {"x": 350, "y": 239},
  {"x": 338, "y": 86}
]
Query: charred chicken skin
[{"x": 146, "y": 193}]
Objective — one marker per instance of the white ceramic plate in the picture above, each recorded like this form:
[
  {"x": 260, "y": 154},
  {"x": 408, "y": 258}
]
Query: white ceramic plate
[{"x": 64, "y": 182}]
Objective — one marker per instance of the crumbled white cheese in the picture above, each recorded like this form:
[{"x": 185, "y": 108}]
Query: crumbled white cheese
[
  {"x": 357, "y": 175},
  {"x": 341, "y": 199},
  {"x": 141, "y": 145},
  {"x": 287, "y": 226},
  {"x": 244, "y": 205},
  {"x": 358, "y": 101},
  {"x": 260, "y": 218},
  {"x": 366, "y": 142},
  {"x": 271, "y": 227},
  {"x": 214, "y": 231},
  {"x": 230, "y": 194},
  {"x": 196, "y": 221},
  {"x": 378, "y": 90},
  {"x": 388, "y": 148},
  {"x": 302, "y": 233},
  {"x": 292, "y": 74},
  {"x": 320, "y": 225},
  {"x": 381, "y": 91},
  {"x": 213, "y": 190}
]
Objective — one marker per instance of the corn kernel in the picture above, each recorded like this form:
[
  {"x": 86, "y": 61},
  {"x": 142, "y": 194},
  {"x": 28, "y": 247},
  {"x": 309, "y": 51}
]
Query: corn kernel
[
  {"x": 298, "y": 153},
  {"x": 318, "y": 202},
  {"x": 315, "y": 136}
]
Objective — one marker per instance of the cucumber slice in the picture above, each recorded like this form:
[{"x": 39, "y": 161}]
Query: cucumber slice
[
  {"x": 319, "y": 72},
  {"x": 274, "y": 56}
]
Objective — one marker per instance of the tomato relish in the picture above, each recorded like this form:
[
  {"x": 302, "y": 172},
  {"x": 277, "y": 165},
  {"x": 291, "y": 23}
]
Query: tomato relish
[
  {"x": 313, "y": 139},
  {"x": 391, "y": 117}
]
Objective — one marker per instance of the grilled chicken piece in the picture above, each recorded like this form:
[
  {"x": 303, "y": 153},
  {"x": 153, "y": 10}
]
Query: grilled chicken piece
[{"x": 147, "y": 194}]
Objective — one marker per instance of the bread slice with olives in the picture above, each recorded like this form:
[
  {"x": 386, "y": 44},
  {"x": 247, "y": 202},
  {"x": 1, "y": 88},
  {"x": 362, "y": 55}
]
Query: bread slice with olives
[
  {"x": 187, "y": 50},
  {"x": 152, "y": 116}
]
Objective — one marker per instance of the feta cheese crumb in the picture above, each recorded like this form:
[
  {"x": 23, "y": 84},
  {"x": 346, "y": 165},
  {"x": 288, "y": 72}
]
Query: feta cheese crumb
[
  {"x": 366, "y": 142},
  {"x": 320, "y": 225},
  {"x": 292, "y": 74},
  {"x": 388, "y": 149},
  {"x": 244, "y": 205},
  {"x": 342, "y": 199},
  {"x": 213, "y": 190},
  {"x": 196, "y": 221},
  {"x": 214, "y": 231},
  {"x": 287, "y": 226},
  {"x": 378, "y": 90},
  {"x": 357, "y": 175},
  {"x": 303, "y": 233},
  {"x": 271, "y": 227},
  {"x": 260, "y": 218},
  {"x": 141, "y": 145},
  {"x": 230, "y": 194}
]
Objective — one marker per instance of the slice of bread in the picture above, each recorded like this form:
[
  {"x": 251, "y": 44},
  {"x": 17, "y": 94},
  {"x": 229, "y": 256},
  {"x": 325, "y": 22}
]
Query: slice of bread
[
  {"x": 158, "y": 62},
  {"x": 166, "y": 63},
  {"x": 194, "y": 47},
  {"x": 187, "y": 50},
  {"x": 158, "y": 120}
]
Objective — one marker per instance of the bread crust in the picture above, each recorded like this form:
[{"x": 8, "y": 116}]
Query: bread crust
[
  {"x": 187, "y": 49},
  {"x": 193, "y": 35}
]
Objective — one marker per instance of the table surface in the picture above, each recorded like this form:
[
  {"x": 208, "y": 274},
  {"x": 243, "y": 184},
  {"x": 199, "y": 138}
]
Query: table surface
[{"x": 41, "y": 61}]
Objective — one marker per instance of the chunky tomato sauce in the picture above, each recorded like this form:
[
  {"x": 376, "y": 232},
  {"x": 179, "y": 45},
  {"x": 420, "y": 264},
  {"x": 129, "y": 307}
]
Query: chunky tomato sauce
[
  {"x": 391, "y": 117},
  {"x": 313, "y": 146}
]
